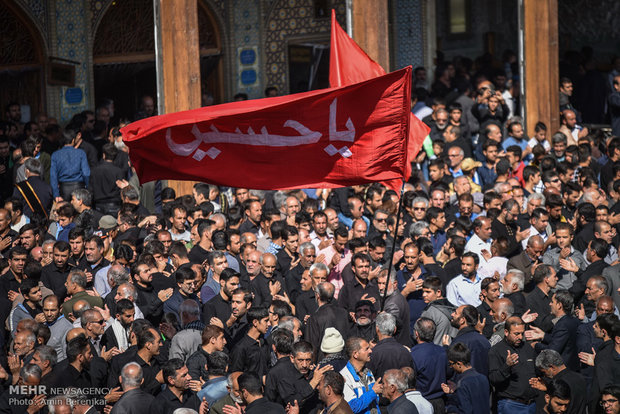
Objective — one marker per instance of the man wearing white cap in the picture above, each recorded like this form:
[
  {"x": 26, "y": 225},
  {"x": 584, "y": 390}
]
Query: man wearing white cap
[{"x": 331, "y": 347}]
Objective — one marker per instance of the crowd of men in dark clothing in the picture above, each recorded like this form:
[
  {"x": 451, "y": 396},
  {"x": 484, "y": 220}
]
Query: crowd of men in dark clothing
[{"x": 496, "y": 289}]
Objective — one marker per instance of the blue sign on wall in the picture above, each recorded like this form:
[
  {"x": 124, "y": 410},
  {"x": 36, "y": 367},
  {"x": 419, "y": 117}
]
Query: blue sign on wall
[
  {"x": 248, "y": 77},
  {"x": 74, "y": 96},
  {"x": 247, "y": 57}
]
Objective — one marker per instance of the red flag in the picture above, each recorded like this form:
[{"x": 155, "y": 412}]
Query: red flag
[
  {"x": 348, "y": 64},
  {"x": 326, "y": 138}
]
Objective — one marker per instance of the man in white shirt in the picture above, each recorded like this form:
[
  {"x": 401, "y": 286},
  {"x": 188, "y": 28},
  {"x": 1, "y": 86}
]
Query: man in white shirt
[
  {"x": 465, "y": 288},
  {"x": 539, "y": 221},
  {"x": 481, "y": 240}
]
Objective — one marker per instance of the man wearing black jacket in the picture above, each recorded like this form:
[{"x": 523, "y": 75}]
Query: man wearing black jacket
[
  {"x": 328, "y": 314},
  {"x": 550, "y": 364},
  {"x": 150, "y": 301},
  {"x": 55, "y": 274},
  {"x": 563, "y": 336},
  {"x": 511, "y": 365},
  {"x": 595, "y": 254},
  {"x": 285, "y": 383}
]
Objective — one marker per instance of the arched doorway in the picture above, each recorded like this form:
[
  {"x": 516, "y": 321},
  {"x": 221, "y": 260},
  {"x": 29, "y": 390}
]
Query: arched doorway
[
  {"x": 124, "y": 55},
  {"x": 22, "y": 61}
]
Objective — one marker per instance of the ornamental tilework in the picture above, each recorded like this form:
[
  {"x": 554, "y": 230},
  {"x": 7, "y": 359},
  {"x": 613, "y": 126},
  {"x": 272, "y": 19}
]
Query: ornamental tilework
[
  {"x": 72, "y": 43},
  {"x": 246, "y": 33},
  {"x": 409, "y": 33},
  {"x": 285, "y": 19}
]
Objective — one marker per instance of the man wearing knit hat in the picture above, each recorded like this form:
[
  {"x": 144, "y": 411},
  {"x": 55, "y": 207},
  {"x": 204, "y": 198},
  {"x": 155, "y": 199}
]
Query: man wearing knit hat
[{"x": 332, "y": 346}]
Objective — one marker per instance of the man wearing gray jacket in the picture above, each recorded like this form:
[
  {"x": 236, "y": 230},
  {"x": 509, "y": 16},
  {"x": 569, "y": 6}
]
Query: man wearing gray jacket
[
  {"x": 564, "y": 251},
  {"x": 438, "y": 309},
  {"x": 58, "y": 325}
]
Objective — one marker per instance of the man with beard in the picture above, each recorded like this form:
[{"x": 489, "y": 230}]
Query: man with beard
[
  {"x": 251, "y": 391},
  {"x": 288, "y": 256},
  {"x": 30, "y": 307},
  {"x": 233, "y": 398},
  {"x": 93, "y": 250},
  {"x": 150, "y": 301},
  {"x": 319, "y": 237},
  {"x": 328, "y": 314},
  {"x": 490, "y": 291},
  {"x": 364, "y": 325},
  {"x": 465, "y": 289},
  {"x": 55, "y": 274},
  {"x": 511, "y": 365},
  {"x": 79, "y": 357},
  {"x": 176, "y": 394},
  {"x": 410, "y": 280},
  {"x": 307, "y": 258},
  {"x": 511, "y": 287},
  {"x": 361, "y": 287},
  {"x": 220, "y": 305},
  {"x": 465, "y": 318},
  {"x": 117, "y": 334},
  {"x": 551, "y": 365},
  {"x": 57, "y": 324},
  {"x": 558, "y": 397},
  {"x": 268, "y": 283},
  {"x": 528, "y": 259},
  {"x": 306, "y": 303},
  {"x": 505, "y": 226}
]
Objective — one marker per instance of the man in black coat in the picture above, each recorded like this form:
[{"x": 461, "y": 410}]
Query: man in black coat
[
  {"x": 388, "y": 353},
  {"x": 396, "y": 305},
  {"x": 563, "y": 336},
  {"x": 465, "y": 318},
  {"x": 328, "y": 314},
  {"x": 35, "y": 194},
  {"x": 251, "y": 390},
  {"x": 550, "y": 363},
  {"x": 134, "y": 400}
]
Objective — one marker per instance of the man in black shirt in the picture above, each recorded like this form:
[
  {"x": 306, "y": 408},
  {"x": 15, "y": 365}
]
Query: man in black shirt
[
  {"x": 268, "y": 283},
  {"x": 539, "y": 300},
  {"x": 505, "y": 226},
  {"x": 251, "y": 390},
  {"x": 55, "y": 274},
  {"x": 103, "y": 177},
  {"x": 149, "y": 300},
  {"x": 176, "y": 394},
  {"x": 220, "y": 305},
  {"x": 361, "y": 287},
  {"x": 201, "y": 236},
  {"x": 511, "y": 365},
  {"x": 251, "y": 354},
  {"x": 328, "y": 314}
]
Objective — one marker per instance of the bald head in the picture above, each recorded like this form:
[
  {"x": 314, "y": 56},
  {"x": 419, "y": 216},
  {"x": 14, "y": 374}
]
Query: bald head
[
  {"x": 74, "y": 333},
  {"x": 131, "y": 376},
  {"x": 502, "y": 309},
  {"x": 605, "y": 305},
  {"x": 79, "y": 307}
]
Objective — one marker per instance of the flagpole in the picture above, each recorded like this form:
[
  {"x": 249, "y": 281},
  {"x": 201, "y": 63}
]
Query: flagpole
[{"x": 387, "y": 282}]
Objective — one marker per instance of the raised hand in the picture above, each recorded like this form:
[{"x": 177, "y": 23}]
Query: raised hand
[
  {"x": 292, "y": 408},
  {"x": 534, "y": 334},
  {"x": 587, "y": 358},
  {"x": 512, "y": 359},
  {"x": 529, "y": 317}
]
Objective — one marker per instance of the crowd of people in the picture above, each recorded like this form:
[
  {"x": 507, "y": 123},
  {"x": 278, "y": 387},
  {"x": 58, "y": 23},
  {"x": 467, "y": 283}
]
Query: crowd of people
[{"x": 491, "y": 284}]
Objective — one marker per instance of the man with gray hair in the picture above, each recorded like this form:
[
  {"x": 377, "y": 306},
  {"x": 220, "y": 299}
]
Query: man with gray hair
[
  {"x": 512, "y": 287},
  {"x": 328, "y": 314},
  {"x": 388, "y": 354},
  {"x": 134, "y": 400},
  {"x": 189, "y": 339},
  {"x": 116, "y": 272},
  {"x": 394, "y": 387},
  {"x": 396, "y": 305},
  {"x": 551, "y": 365},
  {"x": 34, "y": 192},
  {"x": 528, "y": 258}
]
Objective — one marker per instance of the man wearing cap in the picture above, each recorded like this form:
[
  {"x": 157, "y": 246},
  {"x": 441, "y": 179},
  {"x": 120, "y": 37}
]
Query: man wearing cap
[
  {"x": 332, "y": 346},
  {"x": 468, "y": 166}
]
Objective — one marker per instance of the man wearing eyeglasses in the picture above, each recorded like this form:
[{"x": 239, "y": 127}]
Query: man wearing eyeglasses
[
  {"x": 186, "y": 288},
  {"x": 610, "y": 400}
]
